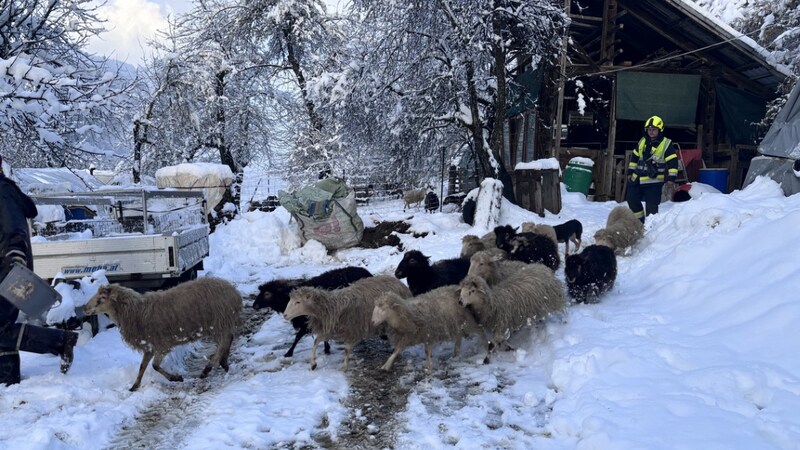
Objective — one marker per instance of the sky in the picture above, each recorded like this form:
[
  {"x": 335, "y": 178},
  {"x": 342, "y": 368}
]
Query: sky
[
  {"x": 131, "y": 23},
  {"x": 695, "y": 347}
]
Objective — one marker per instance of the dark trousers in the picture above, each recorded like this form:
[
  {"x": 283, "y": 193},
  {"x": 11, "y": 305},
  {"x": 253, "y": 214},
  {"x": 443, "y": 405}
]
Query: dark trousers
[
  {"x": 650, "y": 193},
  {"x": 28, "y": 338}
]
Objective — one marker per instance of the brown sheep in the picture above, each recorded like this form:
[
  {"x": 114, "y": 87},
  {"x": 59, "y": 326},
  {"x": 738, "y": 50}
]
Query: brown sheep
[
  {"x": 343, "y": 314},
  {"x": 155, "y": 322}
]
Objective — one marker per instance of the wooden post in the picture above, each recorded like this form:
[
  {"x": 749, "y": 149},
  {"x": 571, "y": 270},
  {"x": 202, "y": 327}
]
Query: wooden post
[
  {"x": 607, "y": 177},
  {"x": 561, "y": 79},
  {"x": 538, "y": 190}
]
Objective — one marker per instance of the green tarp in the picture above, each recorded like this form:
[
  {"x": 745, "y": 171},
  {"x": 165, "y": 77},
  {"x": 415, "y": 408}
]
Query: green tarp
[
  {"x": 673, "y": 97},
  {"x": 740, "y": 112}
]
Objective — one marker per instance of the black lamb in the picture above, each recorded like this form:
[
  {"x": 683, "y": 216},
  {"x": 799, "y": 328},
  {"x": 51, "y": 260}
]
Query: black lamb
[
  {"x": 528, "y": 247},
  {"x": 423, "y": 277},
  {"x": 275, "y": 295},
  {"x": 590, "y": 273}
]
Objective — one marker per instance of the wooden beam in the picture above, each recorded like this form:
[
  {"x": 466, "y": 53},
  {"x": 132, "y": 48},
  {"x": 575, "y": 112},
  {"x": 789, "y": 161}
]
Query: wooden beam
[
  {"x": 561, "y": 79},
  {"x": 735, "y": 77},
  {"x": 586, "y": 18}
]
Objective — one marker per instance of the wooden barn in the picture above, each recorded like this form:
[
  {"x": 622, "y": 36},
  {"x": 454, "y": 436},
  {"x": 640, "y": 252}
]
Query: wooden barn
[{"x": 627, "y": 60}]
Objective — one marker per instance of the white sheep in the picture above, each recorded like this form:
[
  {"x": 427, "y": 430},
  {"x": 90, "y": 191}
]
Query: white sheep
[
  {"x": 155, "y": 322},
  {"x": 490, "y": 267},
  {"x": 413, "y": 197},
  {"x": 471, "y": 244},
  {"x": 343, "y": 314},
  {"x": 527, "y": 295},
  {"x": 428, "y": 318},
  {"x": 623, "y": 230}
]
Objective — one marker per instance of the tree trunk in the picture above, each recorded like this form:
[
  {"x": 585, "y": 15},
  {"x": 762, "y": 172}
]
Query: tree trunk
[
  {"x": 499, "y": 53},
  {"x": 225, "y": 155}
]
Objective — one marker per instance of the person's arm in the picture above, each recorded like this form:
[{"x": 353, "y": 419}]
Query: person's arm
[
  {"x": 671, "y": 158},
  {"x": 15, "y": 244},
  {"x": 634, "y": 163}
]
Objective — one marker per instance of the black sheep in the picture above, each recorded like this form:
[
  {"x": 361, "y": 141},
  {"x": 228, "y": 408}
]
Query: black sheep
[
  {"x": 527, "y": 247},
  {"x": 590, "y": 273},
  {"x": 431, "y": 202},
  {"x": 423, "y": 277},
  {"x": 275, "y": 295}
]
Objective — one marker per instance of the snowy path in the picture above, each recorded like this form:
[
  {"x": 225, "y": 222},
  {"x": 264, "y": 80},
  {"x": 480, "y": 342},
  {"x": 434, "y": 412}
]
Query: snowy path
[{"x": 166, "y": 423}]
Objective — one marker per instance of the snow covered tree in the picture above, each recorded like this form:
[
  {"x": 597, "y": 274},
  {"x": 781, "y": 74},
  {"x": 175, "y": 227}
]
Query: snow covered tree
[
  {"x": 437, "y": 72},
  {"x": 58, "y": 100},
  {"x": 775, "y": 25}
]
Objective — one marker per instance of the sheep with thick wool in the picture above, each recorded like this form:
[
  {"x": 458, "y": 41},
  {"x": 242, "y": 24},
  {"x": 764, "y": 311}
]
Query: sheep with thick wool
[
  {"x": 413, "y": 197},
  {"x": 342, "y": 314},
  {"x": 488, "y": 266},
  {"x": 623, "y": 230},
  {"x": 428, "y": 319},
  {"x": 590, "y": 273},
  {"x": 528, "y": 247},
  {"x": 529, "y": 294},
  {"x": 471, "y": 244},
  {"x": 423, "y": 276},
  {"x": 275, "y": 295},
  {"x": 155, "y": 322}
]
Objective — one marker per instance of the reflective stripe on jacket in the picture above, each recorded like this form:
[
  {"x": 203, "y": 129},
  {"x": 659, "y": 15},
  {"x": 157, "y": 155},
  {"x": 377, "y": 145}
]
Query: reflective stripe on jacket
[{"x": 662, "y": 157}]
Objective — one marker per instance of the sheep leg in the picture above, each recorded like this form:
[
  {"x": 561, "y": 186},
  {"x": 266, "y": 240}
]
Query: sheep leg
[
  {"x": 388, "y": 364},
  {"x": 313, "y": 359},
  {"x": 457, "y": 346},
  {"x": 142, "y": 367},
  {"x": 347, "y": 349},
  {"x": 224, "y": 360},
  {"x": 327, "y": 347},
  {"x": 157, "y": 365},
  {"x": 428, "y": 358},
  {"x": 577, "y": 243},
  {"x": 300, "y": 333},
  {"x": 222, "y": 347}
]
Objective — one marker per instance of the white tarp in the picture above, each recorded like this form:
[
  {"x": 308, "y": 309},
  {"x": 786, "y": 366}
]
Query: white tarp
[{"x": 212, "y": 179}]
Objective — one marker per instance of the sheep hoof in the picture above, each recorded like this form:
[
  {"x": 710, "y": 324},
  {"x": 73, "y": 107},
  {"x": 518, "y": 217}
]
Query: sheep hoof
[
  {"x": 179, "y": 378},
  {"x": 313, "y": 366},
  {"x": 288, "y": 354},
  {"x": 486, "y": 360},
  {"x": 224, "y": 366},
  {"x": 134, "y": 388}
]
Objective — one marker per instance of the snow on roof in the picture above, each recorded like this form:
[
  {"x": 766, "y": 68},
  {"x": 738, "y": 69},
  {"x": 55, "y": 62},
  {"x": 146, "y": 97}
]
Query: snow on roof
[
  {"x": 697, "y": 11},
  {"x": 62, "y": 179},
  {"x": 198, "y": 170}
]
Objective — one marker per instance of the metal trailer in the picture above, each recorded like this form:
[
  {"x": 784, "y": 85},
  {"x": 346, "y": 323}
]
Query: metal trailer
[{"x": 142, "y": 238}]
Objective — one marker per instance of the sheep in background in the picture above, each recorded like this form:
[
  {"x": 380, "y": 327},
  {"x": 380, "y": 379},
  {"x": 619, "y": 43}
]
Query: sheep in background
[
  {"x": 527, "y": 247},
  {"x": 570, "y": 230},
  {"x": 275, "y": 295},
  {"x": 428, "y": 319},
  {"x": 623, "y": 230},
  {"x": 155, "y": 322},
  {"x": 529, "y": 294},
  {"x": 343, "y": 314},
  {"x": 422, "y": 276},
  {"x": 413, "y": 197},
  {"x": 590, "y": 273},
  {"x": 471, "y": 244},
  {"x": 535, "y": 248},
  {"x": 540, "y": 228},
  {"x": 486, "y": 265}
]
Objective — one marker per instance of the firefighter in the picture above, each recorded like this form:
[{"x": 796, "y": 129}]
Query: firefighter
[
  {"x": 652, "y": 169},
  {"x": 15, "y": 248}
]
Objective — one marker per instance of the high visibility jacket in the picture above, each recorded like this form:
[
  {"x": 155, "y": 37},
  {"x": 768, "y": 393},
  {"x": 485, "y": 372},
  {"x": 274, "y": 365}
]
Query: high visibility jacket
[{"x": 647, "y": 157}]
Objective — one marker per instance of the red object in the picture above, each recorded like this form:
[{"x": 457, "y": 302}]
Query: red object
[{"x": 692, "y": 159}]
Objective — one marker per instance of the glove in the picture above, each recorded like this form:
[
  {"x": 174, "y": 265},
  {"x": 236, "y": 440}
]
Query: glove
[{"x": 10, "y": 260}]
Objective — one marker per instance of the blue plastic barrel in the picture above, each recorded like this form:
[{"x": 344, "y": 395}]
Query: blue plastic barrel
[{"x": 715, "y": 177}]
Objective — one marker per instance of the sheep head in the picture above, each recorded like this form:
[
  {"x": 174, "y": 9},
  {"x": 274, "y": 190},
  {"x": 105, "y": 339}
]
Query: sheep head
[
  {"x": 482, "y": 264},
  {"x": 383, "y": 308},
  {"x": 573, "y": 266},
  {"x": 474, "y": 291},
  {"x": 503, "y": 235},
  {"x": 603, "y": 237},
  {"x": 412, "y": 260},
  {"x": 274, "y": 294},
  {"x": 528, "y": 227},
  {"x": 301, "y": 302},
  {"x": 102, "y": 301}
]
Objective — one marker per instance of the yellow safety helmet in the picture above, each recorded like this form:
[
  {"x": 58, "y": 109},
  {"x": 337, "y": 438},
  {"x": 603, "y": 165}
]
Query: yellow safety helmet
[{"x": 654, "y": 121}]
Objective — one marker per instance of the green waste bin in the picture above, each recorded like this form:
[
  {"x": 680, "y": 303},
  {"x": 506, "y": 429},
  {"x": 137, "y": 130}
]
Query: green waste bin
[{"x": 578, "y": 175}]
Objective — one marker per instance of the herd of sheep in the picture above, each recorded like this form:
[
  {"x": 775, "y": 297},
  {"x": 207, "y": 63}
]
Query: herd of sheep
[{"x": 502, "y": 282}]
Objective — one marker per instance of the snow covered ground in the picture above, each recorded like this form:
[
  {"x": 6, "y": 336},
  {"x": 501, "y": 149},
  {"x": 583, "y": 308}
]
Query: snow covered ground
[{"x": 693, "y": 349}]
